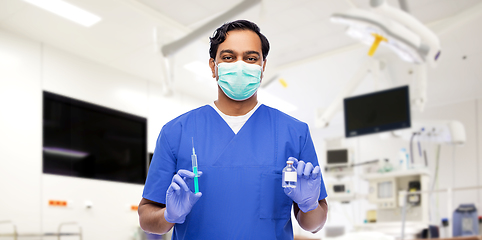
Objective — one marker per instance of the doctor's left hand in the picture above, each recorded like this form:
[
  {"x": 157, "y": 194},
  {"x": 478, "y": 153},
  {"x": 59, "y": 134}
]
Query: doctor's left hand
[
  {"x": 179, "y": 198},
  {"x": 308, "y": 185}
]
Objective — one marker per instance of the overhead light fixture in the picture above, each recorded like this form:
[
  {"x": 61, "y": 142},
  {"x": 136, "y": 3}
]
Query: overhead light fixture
[
  {"x": 68, "y": 11},
  {"x": 400, "y": 31}
]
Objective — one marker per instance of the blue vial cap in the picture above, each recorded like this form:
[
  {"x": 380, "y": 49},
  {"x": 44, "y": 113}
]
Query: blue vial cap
[{"x": 445, "y": 222}]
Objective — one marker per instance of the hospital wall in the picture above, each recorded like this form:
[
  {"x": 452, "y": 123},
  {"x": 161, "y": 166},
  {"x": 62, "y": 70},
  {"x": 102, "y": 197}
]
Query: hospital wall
[
  {"x": 454, "y": 93},
  {"x": 459, "y": 165},
  {"x": 29, "y": 67}
]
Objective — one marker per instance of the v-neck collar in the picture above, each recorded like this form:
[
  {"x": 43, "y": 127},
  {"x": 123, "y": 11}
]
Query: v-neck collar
[
  {"x": 225, "y": 118},
  {"x": 244, "y": 139}
]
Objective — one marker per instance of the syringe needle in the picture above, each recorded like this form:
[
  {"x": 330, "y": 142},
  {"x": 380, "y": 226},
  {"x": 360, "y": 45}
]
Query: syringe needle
[{"x": 193, "y": 151}]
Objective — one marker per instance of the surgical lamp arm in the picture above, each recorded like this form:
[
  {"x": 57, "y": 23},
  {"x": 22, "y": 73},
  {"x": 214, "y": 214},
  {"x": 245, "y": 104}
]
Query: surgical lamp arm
[
  {"x": 171, "y": 48},
  {"x": 168, "y": 50},
  {"x": 419, "y": 85},
  {"x": 325, "y": 118},
  {"x": 430, "y": 41}
]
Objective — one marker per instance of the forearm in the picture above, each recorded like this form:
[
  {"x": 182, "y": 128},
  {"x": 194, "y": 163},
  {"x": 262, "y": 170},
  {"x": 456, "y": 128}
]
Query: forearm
[
  {"x": 151, "y": 218},
  {"x": 313, "y": 220}
]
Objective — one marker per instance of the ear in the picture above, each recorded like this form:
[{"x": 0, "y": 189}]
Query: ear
[
  {"x": 264, "y": 66},
  {"x": 212, "y": 65}
]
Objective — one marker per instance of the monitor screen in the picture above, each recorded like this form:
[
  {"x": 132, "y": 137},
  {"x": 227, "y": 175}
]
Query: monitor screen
[
  {"x": 377, "y": 112},
  {"x": 339, "y": 188},
  {"x": 337, "y": 156},
  {"x": 385, "y": 189},
  {"x": 89, "y": 141}
]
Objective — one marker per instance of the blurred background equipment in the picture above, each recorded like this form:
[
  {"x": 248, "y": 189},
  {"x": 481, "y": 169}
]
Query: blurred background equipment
[
  {"x": 465, "y": 221},
  {"x": 377, "y": 112},
  {"x": 84, "y": 140}
]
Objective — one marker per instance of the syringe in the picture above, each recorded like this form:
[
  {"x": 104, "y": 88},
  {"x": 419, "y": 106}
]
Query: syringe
[{"x": 194, "y": 168}]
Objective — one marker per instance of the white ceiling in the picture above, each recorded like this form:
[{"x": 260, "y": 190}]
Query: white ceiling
[
  {"x": 296, "y": 29},
  {"x": 124, "y": 38}
]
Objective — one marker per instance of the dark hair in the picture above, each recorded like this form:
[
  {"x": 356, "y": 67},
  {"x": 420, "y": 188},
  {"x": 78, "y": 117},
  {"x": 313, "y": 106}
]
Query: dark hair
[{"x": 219, "y": 36}]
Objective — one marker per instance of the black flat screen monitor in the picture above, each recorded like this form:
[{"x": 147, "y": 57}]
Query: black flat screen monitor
[
  {"x": 377, "y": 112},
  {"x": 89, "y": 141},
  {"x": 339, "y": 156}
]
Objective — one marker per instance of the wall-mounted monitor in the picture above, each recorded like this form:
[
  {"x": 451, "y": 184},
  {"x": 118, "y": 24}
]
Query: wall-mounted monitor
[
  {"x": 377, "y": 112},
  {"x": 338, "y": 162},
  {"x": 337, "y": 157},
  {"x": 383, "y": 193},
  {"x": 84, "y": 140}
]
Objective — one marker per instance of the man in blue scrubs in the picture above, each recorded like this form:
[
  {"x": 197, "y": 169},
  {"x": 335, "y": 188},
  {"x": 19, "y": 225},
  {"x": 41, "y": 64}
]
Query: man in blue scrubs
[{"x": 242, "y": 147}]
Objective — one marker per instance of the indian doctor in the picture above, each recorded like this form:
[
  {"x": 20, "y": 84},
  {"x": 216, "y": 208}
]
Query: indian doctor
[{"x": 242, "y": 147}]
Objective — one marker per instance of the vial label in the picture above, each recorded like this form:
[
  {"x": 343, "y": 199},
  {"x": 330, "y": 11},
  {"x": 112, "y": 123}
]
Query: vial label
[{"x": 290, "y": 176}]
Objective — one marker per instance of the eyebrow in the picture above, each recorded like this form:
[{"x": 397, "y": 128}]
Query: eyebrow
[
  {"x": 226, "y": 51},
  {"x": 245, "y": 53},
  {"x": 252, "y": 52}
]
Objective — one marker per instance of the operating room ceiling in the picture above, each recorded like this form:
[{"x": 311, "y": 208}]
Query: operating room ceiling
[{"x": 297, "y": 30}]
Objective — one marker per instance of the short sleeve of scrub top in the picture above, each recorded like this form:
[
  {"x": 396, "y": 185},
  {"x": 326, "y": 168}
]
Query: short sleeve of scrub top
[{"x": 162, "y": 167}]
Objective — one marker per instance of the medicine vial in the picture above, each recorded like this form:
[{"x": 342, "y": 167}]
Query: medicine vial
[{"x": 289, "y": 175}]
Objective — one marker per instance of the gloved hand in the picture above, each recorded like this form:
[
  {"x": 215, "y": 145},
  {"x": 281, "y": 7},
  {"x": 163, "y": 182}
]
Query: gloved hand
[
  {"x": 308, "y": 185},
  {"x": 179, "y": 198}
]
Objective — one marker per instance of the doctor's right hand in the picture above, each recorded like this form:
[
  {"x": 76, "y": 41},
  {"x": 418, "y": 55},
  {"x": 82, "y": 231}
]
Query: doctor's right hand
[{"x": 179, "y": 198}]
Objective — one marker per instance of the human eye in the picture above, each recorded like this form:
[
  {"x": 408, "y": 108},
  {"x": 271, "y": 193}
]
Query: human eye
[
  {"x": 251, "y": 59},
  {"x": 227, "y": 58}
]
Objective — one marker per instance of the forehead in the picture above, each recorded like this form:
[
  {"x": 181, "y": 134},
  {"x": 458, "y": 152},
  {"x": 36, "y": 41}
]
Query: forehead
[{"x": 241, "y": 41}]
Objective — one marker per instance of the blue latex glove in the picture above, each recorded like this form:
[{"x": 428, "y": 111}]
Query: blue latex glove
[
  {"x": 179, "y": 198},
  {"x": 308, "y": 185}
]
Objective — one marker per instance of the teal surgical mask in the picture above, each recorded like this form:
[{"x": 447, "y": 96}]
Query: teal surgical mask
[{"x": 239, "y": 80}]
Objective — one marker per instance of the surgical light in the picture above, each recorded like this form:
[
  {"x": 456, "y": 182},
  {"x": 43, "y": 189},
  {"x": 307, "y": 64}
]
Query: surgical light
[
  {"x": 68, "y": 11},
  {"x": 401, "y": 32}
]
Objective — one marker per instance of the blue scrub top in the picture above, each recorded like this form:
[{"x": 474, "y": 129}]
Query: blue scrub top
[{"x": 241, "y": 182}]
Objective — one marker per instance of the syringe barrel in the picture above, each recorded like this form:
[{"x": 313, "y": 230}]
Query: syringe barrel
[{"x": 194, "y": 163}]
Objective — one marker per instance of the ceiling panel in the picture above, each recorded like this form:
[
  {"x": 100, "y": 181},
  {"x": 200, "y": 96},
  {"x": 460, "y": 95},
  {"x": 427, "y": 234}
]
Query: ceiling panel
[
  {"x": 468, "y": 38},
  {"x": 366, "y": 3},
  {"x": 10, "y": 7},
  {"x": 56, "y": 31},
  {"x": 427, "y": 10},
  {"x": 306, "y": 48},
  {"x": 289, "y": 20},
  {"x": 436, "y": 10},
  {"x": 122, "y": 34},
  {"x": 189, "y": 12},
  {"x": 324, "y": 9}
]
